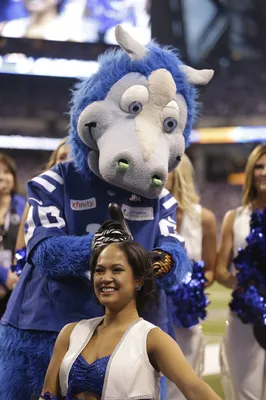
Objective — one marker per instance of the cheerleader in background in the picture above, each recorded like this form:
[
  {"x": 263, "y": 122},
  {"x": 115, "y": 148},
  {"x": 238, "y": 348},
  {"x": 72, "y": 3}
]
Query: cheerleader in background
[
  {"x": 197, "y": 225},
  {"x": 242, "y": 359}
]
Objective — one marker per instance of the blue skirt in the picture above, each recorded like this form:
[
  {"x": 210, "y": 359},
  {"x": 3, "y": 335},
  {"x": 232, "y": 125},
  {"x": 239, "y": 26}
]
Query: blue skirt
[{"x": 24, "y": 358}]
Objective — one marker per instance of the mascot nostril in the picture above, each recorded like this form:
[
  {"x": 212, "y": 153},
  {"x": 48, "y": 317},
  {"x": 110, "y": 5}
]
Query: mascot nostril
[
  {"x": 121, "y": 153},
  {"x": 90, "y": 125},
  {"x": 123, "y": 165},
  {"x": 156, "y": 181}
]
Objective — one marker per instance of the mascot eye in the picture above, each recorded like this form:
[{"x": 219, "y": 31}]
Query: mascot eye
[
  {"x": 135, "y": 107},
  {"x": 170, "y": 116},
  {"x": 134, "y": 98},
  {"x": 169, "y": 124}
]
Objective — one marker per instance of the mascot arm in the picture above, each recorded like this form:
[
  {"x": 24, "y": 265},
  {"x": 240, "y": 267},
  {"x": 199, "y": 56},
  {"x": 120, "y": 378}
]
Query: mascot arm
[
  {"x": 49, "y": 247},
  {"x": 170, "y": 259},
  {"x": 63, "y": 256}
]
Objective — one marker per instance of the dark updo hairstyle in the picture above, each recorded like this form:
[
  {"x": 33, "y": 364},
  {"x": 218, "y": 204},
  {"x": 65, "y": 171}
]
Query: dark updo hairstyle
[{"x": 140, "y": 262}]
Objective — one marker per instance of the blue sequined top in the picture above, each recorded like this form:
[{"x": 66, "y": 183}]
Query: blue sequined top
[{"x": 85, "y": 377}]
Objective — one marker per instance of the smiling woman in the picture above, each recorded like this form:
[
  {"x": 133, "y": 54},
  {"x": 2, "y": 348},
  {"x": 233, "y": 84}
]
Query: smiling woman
[
  {"x": 119, "y": 355},
  {"x": 114, "y": 268}
]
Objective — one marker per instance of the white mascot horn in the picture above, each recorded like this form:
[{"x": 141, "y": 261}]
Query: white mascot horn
[{"x": 137, "y": 51}]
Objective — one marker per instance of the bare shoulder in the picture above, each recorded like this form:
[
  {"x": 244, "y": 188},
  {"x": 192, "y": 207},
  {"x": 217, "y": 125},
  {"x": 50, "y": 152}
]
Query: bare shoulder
[
  {"x": 208, "y": 219},
  {"x": 67, "y": 329},
  {"x": 228, "y": 220},
  {"x": 65, "y": 333},
  {"x": 156, "y": 339}
]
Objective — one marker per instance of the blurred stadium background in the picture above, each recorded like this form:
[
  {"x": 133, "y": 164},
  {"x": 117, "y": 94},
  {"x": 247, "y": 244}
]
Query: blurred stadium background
[{"x": 37, "y": 71}]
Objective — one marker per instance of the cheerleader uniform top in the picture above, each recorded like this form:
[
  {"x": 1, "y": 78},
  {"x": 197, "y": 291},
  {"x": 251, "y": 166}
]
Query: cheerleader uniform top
[
  {"x": 241, "y": 228},
  {"x": 84, "y": 377},
  {"x": 191, "y": 230},
  {"x": 125, "y": 374}
]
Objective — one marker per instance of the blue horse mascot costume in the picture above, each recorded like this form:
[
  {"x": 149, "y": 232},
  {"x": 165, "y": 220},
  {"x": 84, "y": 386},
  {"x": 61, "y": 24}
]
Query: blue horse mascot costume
[{"x": 130, "y": 123}]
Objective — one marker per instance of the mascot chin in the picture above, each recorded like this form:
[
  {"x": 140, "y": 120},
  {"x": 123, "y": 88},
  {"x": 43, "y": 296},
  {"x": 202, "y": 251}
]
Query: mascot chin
[{"x": 130, "y": 124}]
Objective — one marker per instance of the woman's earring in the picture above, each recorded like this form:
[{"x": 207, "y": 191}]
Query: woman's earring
[{"x": 138, "y": 287}]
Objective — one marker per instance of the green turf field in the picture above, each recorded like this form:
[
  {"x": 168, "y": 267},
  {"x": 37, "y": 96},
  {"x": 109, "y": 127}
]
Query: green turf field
[
  {"x": 215, "y": 382},
  {"x": 214, "y": 326}
]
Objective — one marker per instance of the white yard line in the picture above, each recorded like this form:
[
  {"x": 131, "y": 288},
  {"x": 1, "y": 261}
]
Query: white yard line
[{"x": 211, "y": 362}]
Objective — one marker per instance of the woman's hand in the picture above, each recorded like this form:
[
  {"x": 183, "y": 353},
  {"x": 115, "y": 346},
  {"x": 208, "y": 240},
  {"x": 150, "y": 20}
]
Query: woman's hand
[
  {"x": 209, "y": 275},
  {"x": 228, "y": 280}
]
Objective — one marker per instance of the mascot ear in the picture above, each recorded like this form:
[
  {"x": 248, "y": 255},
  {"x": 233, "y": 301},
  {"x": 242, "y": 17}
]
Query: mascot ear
[
  {"x": 134, "y": 49},
  {"x": 196, "y": 76}
]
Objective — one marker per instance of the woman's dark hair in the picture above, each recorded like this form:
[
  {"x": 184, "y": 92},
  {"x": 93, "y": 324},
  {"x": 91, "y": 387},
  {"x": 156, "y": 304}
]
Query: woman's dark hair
[
  {"x": 140, "y": 262},
  {"x": 11, "y": 166}
]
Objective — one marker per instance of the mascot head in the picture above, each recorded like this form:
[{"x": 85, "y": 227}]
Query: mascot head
[{"x": 131, "y": 121}]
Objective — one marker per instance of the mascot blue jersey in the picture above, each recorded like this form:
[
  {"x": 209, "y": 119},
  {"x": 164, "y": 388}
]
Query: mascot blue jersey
[{"x": 63, "y": 203}]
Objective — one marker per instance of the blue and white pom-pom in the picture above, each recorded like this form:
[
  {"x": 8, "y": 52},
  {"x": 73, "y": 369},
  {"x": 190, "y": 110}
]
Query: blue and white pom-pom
[
  {"x": 188, "y": 300},
  {"x": 21, "y": 261},
  {"x": 249, "y": 297}
]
